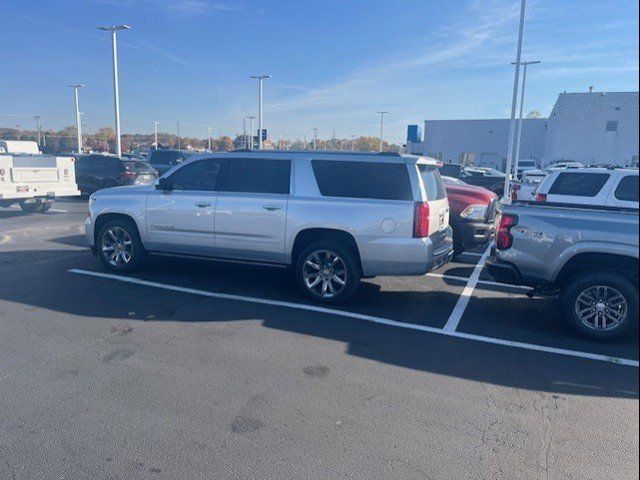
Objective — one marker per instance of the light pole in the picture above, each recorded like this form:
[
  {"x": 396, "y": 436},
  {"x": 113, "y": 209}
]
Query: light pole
[
  {"x": 251, "y": 119},
  {"x": 179, "y": 139},
  {"x": 155, "y": 133},
  {"x": 37, "y": 119},
  {"x": 244, "y": 133},
  {"x": 382, "y": 114},
  {"x": 519, "y": 134},
  {"x": 116, "y": 92},
  {"x": 353, "y": 142},
  {"x": 260, "y": 79},
  {"x": 78, "y": 123},
  {"x": 315, "y": 138},
  {"x": 516, "y": 81}
]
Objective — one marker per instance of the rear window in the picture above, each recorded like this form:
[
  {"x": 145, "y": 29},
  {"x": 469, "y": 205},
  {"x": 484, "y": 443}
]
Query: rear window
[
  {"x": 378, "y": 181},
  {"x": 432, "y": 182},
  {"x": 579, "y": 184},
  {"x": 627, "y": 190},
  {"x": 258, "y": 175}
]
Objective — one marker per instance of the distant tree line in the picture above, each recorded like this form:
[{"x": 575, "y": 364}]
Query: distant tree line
[{"x": 103, "y": 140}]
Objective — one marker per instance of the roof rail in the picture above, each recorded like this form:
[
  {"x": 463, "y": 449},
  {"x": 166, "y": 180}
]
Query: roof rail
[{"x": 388, "y": 154}]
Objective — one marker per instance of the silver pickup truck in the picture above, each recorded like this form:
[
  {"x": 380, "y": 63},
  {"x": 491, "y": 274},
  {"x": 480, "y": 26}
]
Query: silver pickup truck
[{"x": 589, "y": 256}]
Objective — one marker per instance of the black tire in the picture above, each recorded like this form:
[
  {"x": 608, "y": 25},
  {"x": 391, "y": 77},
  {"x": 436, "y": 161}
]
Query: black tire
[
  {"x": 30, "y": 207},
  {"x": 615, "y": 283},
  {"x": 131, "y": 256},
  {"x": 347, "y": 258},
  {"x": 45, "y": 206}
]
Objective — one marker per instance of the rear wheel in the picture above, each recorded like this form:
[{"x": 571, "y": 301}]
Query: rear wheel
[
  {"x": 45, "y": 206},
  {"x": 328, "y": 272},
  {"x": 30, "y": 207},
  {"x": 600, "y": 306},
  {"x": 119, "y": 247}
]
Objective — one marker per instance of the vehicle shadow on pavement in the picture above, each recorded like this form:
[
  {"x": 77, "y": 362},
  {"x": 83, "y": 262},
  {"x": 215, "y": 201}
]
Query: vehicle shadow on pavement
[{"x": 54, "y": 289}]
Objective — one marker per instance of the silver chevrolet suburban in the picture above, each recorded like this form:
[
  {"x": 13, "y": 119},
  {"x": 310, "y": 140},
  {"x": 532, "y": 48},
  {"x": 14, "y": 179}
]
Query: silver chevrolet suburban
[{"x": 334, "y": 217}]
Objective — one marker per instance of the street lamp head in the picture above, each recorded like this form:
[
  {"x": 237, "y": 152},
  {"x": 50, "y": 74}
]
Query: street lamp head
[
  {"x": 77, "y": 85},
  {"x": 260, "y": 77},
  {"x": 534, "y": 62},
  {"x": 114, "y": 27}
]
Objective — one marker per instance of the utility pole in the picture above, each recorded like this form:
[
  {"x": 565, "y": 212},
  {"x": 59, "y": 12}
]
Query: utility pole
[
  {"x": 382, "y": 114},
  {"x": 315, "y": 138},
  {"x": 251, "y": 119},
  {"x": 260, "y": 79},
  {"x": 116, "y": 92},
  {"x": 155, "y": 133},
  {"x": 37, "y": 119},
  {"x": 519, "y": 134},
  {"x": 512, "y": 124},
  {"x": 209, "y": 133},
  {"x": 78, "y": 122},
  {"x": 245, "y": 143},
  {"x": 179, "y": 139}
]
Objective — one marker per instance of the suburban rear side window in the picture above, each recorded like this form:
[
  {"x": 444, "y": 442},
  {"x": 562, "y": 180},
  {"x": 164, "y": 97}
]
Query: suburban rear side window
[
  {"x": 579, "y": 184},
  {"x": 199, "y": 176},
  {"x": 379, "y": 181},
  {"x": 432, "y": 182},
  {"x": 627, "y": 190},
  {"x": 258, "y": 175}
]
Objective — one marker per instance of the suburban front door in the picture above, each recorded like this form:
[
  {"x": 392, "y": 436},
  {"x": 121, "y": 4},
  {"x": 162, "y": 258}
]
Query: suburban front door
[
  {"x": 181, "y": 218},
  {"x": 251, "y": 212}
]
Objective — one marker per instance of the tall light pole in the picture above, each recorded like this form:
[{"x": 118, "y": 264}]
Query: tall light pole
[
  {"x": 78, "y": 122},
  {"x": 514, "y": 100},
  {"x": 155, "y": 133},
  {"x": 260, "y": 79},
  {"x": 382, "y": 114},
  {"x": 209, "y": 134},
  {"x": 251, "y": 119},
  {"x": 315, "y": 138},
  {"x": 353, "y": 142},
  {"x": 519, "y": 134},
  {"x": 245, "y": 143},
  {"x": 179, "y": 139},
  {"x": 37, "y": 119},
  {"x": 116, "y": 92}
]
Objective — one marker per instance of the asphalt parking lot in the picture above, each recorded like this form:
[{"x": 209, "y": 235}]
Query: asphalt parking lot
[{"x": 205, "y": 370}]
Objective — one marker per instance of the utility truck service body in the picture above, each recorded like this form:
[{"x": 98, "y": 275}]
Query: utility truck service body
[{"x": 33, "y": 180}]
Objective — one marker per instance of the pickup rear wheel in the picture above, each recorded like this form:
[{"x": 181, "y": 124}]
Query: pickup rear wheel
[
  {"x": 45, "y": 206},
  {"x": 30, "y": 207},
  {"x": 327, "y": 272},
  {"x": 119, "y": 247},
  {"x": 600, "y": 306}
]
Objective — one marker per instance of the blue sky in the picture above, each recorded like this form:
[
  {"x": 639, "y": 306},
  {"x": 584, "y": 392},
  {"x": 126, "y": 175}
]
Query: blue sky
[{"x": 334, "y": 63}]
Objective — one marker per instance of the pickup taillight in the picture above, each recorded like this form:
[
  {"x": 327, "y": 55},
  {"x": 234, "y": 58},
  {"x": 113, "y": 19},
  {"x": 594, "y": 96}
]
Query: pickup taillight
[
  {"x": 504, "y": 239},
  {"x": 541, "y": 197},
  {"x": 514, "y": 191},
  {"x": 421, "y": 220}
]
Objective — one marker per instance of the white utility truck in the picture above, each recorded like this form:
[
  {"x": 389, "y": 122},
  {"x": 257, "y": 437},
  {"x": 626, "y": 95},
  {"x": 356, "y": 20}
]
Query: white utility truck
[{"x": 34, "y": 180}]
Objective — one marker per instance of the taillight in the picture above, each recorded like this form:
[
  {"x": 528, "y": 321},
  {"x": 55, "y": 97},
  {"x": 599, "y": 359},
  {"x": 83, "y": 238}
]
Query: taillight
[
  {"x": 504, "y": 239},
  {"x": 420, "y": 220},
  {"x": 514, "y": 191},
  {"x": 541, "y": 197},
  {"x": 127, "y": 174}
]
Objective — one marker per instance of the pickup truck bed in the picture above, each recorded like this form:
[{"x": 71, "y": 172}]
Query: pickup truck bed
[{"x": 570, "y": 250}]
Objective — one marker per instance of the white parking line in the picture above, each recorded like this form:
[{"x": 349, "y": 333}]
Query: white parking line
[
  {"x": 367, "y": 318},
  {"x": 465, "y": 296},
  {"x": 480, "y": 282}
]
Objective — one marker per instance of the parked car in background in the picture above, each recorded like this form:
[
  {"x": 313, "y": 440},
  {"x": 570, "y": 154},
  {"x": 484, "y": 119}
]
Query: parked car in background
[
  {"x": 472, "y": 214},
  {"x": 333, "y": 217},
  {"x": 588, "y": 254},
  {"x": 598, "y": 187},
  {"x": 564, "y": 166},
  {"x": 488, "y": 178},
  {"x": 97, "y": 171},
  {"x": 526, "y": 165},
  {"x": 164, "y": 159},
  {"x": 525, "y": 188}
]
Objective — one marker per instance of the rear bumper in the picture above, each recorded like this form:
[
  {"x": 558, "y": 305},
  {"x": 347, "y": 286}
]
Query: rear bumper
[
  {"x": 503, "y": 272},
  {"x": 475, "y": 234},
  {"x": 51, "y": 195}
]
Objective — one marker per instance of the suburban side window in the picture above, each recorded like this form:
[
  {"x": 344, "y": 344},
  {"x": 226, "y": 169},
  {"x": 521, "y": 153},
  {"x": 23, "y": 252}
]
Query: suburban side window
[
  {"x": 627, "y": 190},
  {"x": 258, "y": 175},
  {"x": 579, "y": 184},
  {"x": 197, "y": 176},
  {"x": 380, "y": 181}
]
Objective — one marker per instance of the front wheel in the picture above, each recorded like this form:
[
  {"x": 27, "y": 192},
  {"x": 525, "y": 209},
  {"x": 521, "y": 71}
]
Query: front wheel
[
  {"x": 119, "y": 247},
  {"x": 328, "y": 272},
  {"x": 600, "y": 306}
]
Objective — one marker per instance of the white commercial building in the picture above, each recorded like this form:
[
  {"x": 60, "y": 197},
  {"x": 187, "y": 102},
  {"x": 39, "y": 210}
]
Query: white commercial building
[{"x": 591, "y": 127}]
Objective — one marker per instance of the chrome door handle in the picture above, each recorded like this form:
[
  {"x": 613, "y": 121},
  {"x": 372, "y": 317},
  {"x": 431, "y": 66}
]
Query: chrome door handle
[
  {"x": 203, "y": 204},
  {"x": 272, "y": 208}
]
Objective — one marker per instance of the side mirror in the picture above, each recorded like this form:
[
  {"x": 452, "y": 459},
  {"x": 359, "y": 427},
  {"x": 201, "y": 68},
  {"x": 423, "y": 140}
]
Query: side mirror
[{"x": 164, "y": 184}]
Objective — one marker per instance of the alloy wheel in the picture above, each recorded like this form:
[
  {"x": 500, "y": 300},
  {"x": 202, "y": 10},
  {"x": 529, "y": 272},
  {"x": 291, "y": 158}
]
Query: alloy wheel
[
  {"x": 324, "y": 273},
  {"x": 117, "y": 247},
  {"x": 601, "y": 308}
]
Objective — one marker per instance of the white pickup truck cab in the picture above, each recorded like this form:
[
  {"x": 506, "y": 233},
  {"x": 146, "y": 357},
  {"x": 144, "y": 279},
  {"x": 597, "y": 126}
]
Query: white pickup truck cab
[{"x": 33, "y": 180}]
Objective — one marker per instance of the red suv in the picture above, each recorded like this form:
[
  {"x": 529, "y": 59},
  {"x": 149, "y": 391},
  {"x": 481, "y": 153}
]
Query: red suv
[{"x": 473, "y": 210}]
